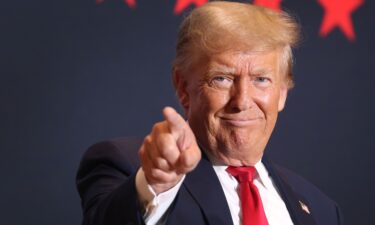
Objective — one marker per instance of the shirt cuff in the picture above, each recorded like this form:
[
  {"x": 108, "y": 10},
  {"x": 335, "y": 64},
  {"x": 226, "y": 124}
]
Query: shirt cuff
[{"x": 155, "y": 206}]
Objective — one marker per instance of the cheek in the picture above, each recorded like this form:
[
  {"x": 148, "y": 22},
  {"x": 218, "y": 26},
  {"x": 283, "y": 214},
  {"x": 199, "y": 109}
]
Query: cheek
[
  {"x": 269, "y": 101},
  {"x": 215, "y": 101},
  {"x": 205, "y": 105}
]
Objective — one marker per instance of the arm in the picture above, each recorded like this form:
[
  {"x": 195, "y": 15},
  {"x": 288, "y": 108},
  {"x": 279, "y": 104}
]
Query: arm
[
  {"x": 106, "y": 183},
  {"x": 106, "y": 179}
]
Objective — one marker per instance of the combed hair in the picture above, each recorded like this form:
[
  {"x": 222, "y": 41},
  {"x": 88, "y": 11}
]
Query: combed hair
[{"x": 221, "y": 26}]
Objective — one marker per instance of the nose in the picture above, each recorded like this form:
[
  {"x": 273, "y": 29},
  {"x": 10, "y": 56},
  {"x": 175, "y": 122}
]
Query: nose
[{"x": 241, "y": 98}]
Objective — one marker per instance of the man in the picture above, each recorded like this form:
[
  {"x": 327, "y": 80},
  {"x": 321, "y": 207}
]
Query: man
[{"x": 232, "y": 73}]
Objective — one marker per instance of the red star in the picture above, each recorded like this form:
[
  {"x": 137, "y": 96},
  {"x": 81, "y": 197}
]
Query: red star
[
  {"x": 338, "y": 13},
  {"x": 130, "y": 3},
  {"x": 181, "y": 5},
  {"x": 272, "y": 4}
]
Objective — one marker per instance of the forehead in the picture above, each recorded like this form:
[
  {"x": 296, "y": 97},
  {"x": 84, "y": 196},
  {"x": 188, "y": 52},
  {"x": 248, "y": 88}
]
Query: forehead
[{"x": 238, "y": 62}]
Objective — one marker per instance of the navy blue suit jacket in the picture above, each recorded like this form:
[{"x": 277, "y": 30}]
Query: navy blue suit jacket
[{"x": 106, "y": 183}]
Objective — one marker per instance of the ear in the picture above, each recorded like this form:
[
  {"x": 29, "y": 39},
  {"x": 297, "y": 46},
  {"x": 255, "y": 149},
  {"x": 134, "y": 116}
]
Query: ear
[
  {"x": 282, "y": 97},
  {"x": 180, "y": 85}
]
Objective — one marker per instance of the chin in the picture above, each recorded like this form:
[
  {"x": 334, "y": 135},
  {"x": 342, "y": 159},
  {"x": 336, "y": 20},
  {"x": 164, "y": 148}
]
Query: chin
[
  {"x": 240, "y": 158},
  {"x": 245, "y": 151}
]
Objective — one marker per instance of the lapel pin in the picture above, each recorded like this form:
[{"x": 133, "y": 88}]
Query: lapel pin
[{"x": 304, "y": 207}]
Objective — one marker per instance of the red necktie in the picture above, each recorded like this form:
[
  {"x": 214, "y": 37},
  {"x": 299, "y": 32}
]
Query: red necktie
[{"x": 251, "y": 203}]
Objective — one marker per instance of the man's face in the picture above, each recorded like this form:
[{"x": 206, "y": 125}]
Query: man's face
[{"x": 232, "y": 100}]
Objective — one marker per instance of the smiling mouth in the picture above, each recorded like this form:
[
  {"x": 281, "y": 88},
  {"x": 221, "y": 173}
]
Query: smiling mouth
[{"x": 240, "y": 122}]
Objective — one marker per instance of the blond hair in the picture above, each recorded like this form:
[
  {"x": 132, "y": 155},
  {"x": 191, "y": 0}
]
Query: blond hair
[{"x": 220, "y": 26}]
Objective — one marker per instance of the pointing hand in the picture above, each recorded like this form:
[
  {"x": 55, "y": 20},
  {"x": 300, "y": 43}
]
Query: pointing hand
[{"x": 169, "y": 152}]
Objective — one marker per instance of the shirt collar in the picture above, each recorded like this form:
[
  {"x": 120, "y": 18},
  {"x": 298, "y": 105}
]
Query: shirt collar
[{"x": 262, "y": 174}]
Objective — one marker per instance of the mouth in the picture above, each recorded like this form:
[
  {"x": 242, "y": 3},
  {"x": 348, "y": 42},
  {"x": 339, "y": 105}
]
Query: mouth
[{"x": 239, "y": 122}]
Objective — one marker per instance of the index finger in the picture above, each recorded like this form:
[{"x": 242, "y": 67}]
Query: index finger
[
  {"x": 175, "y": 121},
  {"x": 177, "y": 126}
]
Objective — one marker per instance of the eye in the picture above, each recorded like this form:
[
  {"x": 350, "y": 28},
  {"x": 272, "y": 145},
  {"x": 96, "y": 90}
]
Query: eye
[
  {"x": 221, "y": 82},
  {"x": 262, "y": 81}
]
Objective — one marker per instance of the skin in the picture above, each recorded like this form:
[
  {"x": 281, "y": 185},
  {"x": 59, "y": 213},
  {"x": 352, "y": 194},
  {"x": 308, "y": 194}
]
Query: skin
[
  {"x": 168, "y": 152},
  {"x": 231, "y": 100}
]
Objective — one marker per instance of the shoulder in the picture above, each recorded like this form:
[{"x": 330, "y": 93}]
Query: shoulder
[
  {"x": 107, "y": 164},
  {"x": 106, "y": 181},
  {"x": 322, "y": 207},
  {"x": 119, "y": 154},
  {"x": 114, "y": 151},
  {"x": 301, "y": 185}
]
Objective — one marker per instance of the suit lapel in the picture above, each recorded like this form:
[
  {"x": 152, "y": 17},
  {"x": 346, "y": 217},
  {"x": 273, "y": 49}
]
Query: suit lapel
[
  {"x": 296, "y": 204},
  {"x": 203, "y": 184}
]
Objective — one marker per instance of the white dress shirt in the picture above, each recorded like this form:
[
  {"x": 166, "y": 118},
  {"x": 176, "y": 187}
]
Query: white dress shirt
[{"x": 275, "y": 209}]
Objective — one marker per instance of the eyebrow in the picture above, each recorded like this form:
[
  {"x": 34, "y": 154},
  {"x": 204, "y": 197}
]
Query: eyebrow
[
  {"x": 258, "y": 71},
  {"x": 222, "y": 69},
  {"x": 226, "y": 70}
]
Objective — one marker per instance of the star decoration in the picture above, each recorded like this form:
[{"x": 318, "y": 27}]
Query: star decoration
[
  {"x": 337, "y": 13},
  {"x": 272, "y": 4},
  {"x": 181, "y": 5},
  {"x": 130, "y": 3}
]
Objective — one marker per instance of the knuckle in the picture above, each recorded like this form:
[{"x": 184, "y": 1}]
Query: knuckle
[
  {"x": 162, "y": 164},
  {"x": 160, "y": 140},
  {"x": 147, "y": 140},
  {"x": 156, "y": 174},
  {"x": 158, "y": 163},
  {"x": 163, "y": 141},
  {"x": 154, "y": 127},
  {"x": 157, "y": 128},
  {"x": 148, "y": 145},
  {"x": 166, "y": 145},
  {"x": 170, "y": 154}
]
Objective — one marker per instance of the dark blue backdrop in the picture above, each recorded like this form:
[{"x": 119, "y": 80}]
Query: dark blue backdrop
[{"x": 75, "y": 72}]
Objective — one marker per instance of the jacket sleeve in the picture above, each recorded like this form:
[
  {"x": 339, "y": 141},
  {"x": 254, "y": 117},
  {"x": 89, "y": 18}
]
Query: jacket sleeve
[{"x": 106, "y": 184}]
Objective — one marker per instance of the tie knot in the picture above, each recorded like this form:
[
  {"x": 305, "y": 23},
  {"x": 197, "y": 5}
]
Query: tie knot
[{"x": 243, "y": 173}]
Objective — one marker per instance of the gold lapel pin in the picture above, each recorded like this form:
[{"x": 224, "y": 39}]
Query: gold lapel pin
[{"x": 304, "y": 207}]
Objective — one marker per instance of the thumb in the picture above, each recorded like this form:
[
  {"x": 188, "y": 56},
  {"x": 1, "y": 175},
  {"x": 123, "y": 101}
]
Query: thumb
[{"x": 189, "y": 159}]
